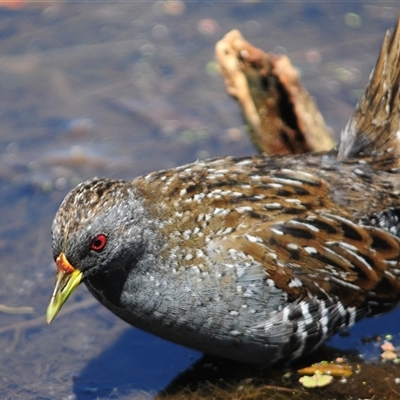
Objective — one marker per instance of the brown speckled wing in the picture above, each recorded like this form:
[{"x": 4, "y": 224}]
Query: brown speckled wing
[{"x": 294, "y": 223}]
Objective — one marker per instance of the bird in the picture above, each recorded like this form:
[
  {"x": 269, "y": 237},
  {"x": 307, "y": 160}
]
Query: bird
[{"x": 257, "y": 259}]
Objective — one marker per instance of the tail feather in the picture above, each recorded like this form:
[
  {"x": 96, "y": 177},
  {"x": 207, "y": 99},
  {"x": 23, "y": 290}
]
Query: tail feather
[
  {"x": 304, "y": 325},
  {"x": 374, "y": 128}
]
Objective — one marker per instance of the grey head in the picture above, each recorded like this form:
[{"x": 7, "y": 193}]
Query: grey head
[
  {"x": 99, "y": 225},
  {"x": 102, "y": 226}
]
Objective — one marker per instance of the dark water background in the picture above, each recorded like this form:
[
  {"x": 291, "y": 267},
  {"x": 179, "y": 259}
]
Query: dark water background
[{"x": 120, "y": 90}]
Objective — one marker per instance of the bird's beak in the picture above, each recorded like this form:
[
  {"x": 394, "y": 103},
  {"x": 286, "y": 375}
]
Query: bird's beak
[{"x": 67, "y": 279}]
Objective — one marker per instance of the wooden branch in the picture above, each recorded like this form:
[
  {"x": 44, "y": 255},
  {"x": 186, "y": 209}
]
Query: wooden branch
[{"x": 282, "y": 116}]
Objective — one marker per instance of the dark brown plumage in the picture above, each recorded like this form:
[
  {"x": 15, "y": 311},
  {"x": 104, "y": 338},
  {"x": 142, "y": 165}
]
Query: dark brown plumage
[{"x": 256, "y": 259}]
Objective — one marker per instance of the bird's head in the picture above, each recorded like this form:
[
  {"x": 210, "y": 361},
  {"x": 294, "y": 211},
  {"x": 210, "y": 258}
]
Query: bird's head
[{"x": 99, "y": 227}]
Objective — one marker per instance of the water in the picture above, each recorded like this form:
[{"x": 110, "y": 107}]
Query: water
[{"x": 120, "y": 90}]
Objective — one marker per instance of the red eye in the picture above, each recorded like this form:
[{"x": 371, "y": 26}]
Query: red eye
[{"x": 98, "y": 243}]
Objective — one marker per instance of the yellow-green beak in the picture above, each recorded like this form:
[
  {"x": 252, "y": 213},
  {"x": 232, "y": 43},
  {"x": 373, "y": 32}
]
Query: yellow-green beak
[{"x": 67, "y": 279}]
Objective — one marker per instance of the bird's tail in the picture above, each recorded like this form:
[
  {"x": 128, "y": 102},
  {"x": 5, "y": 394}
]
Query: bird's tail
[{"x": 374, "y": 128}]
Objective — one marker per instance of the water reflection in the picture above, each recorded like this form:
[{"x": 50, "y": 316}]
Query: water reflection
[{"x": 135, "y": 362}]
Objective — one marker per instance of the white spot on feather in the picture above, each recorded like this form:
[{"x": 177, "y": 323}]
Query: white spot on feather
[
  {"x": 295, "y": 282},
  {"x": 253, "y": 239},
  {"x": 311, "y": 250}
]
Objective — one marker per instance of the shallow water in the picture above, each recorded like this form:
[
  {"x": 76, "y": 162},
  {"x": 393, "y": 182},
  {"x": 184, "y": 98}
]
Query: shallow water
[{"x": 121, "y": 90}]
